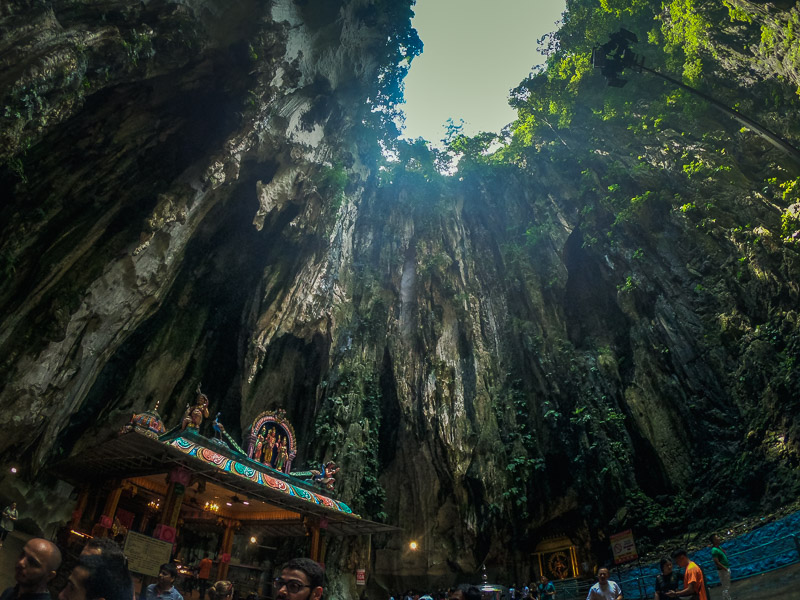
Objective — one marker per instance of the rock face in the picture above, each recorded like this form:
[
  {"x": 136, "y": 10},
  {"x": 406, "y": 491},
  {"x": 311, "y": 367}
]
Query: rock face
[{"x": 599, "y": 333}]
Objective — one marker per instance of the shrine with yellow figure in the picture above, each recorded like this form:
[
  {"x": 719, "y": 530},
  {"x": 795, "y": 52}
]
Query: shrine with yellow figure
[{"x": 556, "y": 558}]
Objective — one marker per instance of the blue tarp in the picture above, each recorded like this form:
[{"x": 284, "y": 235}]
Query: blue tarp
[{"x": 764, "y": 549}]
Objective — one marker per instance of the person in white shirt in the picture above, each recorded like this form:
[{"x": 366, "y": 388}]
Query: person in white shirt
[{"x": 604, "y": 589}]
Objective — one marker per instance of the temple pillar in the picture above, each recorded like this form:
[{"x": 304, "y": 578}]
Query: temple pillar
[
  {"x": 316, "y": 548},
  {"x": 225, "y": 551},
  {"x": 178, "y": 480},
  {"x": 169, "y": 502},
  {"x": 101, "y": 528},
  {"x": 312, "y": 526},
  {"x": 144, "y": 523},
  {"x": 170, "y": 517},
  {"x": 80, "y": 507},
  {"x": 110, "y": 508}
]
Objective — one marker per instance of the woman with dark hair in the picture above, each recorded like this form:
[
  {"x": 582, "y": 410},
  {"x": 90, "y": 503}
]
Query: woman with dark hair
[
  {"x": 222, "y": 590},
  {"x": 667, "y": 581}
]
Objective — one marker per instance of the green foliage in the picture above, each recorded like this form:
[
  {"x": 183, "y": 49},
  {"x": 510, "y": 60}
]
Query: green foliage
[
  {"x": 413, "y": 162},
  {"x": 433, "y": 260},
  {"x": 15, "y": 165},
  {"x": 25, "y": 104},
  {"x": 394, "y": 49},
  {"x": 696, "y": 167},
  {"x": 537, "y": 234},
  {"x": 649, "y": 514},
  {"x": 580, "y": 415},
  {"x": 139, "y": 45},
  {"x": 779, "y": 39},
  {"x": 352, "y": 403},
  {"x": 628, "y": 286},
  {"x": 790, "y": 225},
  {"x": 470, "y": 153},
  {"x": 736, "y": 13},
  {"x": 332, "y": 184},
  {"x": 634, "y": 206},
  {"x": 686, "y": 30}
]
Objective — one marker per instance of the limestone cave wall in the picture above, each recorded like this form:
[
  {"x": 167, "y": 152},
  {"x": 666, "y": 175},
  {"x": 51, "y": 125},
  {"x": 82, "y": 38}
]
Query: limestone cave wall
[{"x": 600, "y": 332}]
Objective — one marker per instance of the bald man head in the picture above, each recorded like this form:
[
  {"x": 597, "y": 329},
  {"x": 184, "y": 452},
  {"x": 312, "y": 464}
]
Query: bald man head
[{"x": 37, "y": 565}]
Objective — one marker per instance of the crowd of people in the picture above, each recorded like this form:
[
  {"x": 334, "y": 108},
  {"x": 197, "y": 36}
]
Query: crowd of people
[
  {"x": 692, "y": 584},
  {"x": 669, "y": 584},
  {"x": 545, "y": 590},
  {"x": 101, "y": 573}
]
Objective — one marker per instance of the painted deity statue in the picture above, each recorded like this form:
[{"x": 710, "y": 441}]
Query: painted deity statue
[
  {"x": 325, "y": 476},
  {"x": 259, "y": 445},
  {"x": 276, "y": 452},
  {"x": 269, "y": 442},
  {"x": 194, "y": 415},
  {"x": 283, "y": 455}
]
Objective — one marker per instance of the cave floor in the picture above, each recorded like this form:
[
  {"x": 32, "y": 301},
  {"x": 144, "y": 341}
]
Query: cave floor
[
  {"x": 780, "y": 584},
  {"x": 775, "y": 585}
]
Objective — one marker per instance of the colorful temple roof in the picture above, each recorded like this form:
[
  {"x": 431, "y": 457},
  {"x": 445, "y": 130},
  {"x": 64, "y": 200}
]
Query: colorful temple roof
[
  {"x": 253, "y": 471},
  {"x": 137, "y": 452}
]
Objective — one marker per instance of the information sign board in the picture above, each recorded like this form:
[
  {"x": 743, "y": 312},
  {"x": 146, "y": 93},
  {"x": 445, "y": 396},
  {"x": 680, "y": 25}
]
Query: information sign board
[
  {"x": 361, "y": 577},
  {"x": 623, "y": 547},
  {"x": 146, "y": 554}
]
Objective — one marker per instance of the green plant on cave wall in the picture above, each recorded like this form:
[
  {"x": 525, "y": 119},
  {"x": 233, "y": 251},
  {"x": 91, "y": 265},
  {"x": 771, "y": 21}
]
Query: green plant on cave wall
[{"x": 347, "y": 430}]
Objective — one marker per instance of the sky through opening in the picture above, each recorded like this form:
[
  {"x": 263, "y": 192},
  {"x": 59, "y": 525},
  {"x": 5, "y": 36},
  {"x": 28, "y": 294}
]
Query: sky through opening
[{"x": 475, "y": 51}]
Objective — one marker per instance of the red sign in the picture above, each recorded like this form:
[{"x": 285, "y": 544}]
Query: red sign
[
  {"x": 105, "y": 521},
  {"x": 623, "y": 547},
  {"x": 125, "y": 517},
  {"x": 225, "y": 558},
  {"x": 361, "y": 577},
  {"x": 164, "y": 533}
]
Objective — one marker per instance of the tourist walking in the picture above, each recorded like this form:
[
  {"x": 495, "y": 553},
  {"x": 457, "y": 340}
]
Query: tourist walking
[
  {"x": 604, "y": 589},
  {"x": 10, "y": 515},
  {"x": 667, "y": 581},
  {"x": 723, "y": 566},
  {"x": 693, "y": 581},
  {"x": 547, "y": 591},
  {"x": 203, "y": 573}
]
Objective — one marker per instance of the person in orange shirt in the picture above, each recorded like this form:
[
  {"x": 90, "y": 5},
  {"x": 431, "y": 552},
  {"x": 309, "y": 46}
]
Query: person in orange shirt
[
  {"x": 203, "y": 573},
  {"x": 692, "y": 578}
]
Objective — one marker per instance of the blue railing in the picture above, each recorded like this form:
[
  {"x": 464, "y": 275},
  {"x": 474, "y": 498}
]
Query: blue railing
[{"x": 772, "y": 546}]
